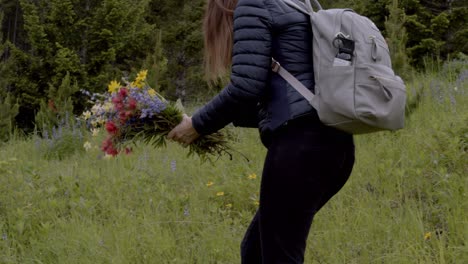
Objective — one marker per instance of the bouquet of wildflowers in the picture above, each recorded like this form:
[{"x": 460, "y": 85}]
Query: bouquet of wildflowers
[{"x": 136, "y": 112}]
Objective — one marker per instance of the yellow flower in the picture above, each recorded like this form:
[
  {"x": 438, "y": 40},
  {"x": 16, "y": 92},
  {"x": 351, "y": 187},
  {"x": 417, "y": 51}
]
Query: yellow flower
[
  {"x": 141, "y": 76},
  {"x": 152, "y": 92},
  {"x": 252, "y": 176},
  {"x": 228, "y": 205},
  {"x": 220, "y": 194},
  {"x": 87, "y": 115},
  {"x": 87, "y": 146},
  {"x": 209, "y": 184},
  {"x": 137, "y": 84},
  {"x": 140, "y": 79},
  {"x": 113, "y": 86},
  {"x": 257, "y": 203},
  {"x": 427, "y": 236}
]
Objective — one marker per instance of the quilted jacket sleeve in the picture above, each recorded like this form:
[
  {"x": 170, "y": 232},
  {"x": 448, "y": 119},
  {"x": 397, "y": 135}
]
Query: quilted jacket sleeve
[{"x": 250, "y": 69}]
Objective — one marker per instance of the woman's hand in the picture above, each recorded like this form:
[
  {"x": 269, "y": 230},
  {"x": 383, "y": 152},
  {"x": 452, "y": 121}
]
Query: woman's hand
[{"x": 184, "y": 132}]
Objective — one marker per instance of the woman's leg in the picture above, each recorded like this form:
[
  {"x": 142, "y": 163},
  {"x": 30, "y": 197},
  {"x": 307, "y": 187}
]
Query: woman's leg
[
  {"x": 303, "y": 169},
  {"x": 250, "y": 247}
]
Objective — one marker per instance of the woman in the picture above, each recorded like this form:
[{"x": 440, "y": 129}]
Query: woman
[{"x": 307, "y": 162}]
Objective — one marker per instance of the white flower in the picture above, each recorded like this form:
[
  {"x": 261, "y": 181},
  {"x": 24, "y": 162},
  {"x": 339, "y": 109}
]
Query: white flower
[
  {"x": 95, "y": 109},
  {"x": 87, "y": 146},
  {"x": 86, "y": 115},
  {"x": 107, "y": 107},
  {"x": 95, "y": 132}
]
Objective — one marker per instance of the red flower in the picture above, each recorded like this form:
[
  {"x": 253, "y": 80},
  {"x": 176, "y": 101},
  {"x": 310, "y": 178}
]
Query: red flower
[
  {"x": 108, "y": 147},
  {"x": 119, "y": 106},
  {"x": 107, "y": 144},
  {"x": 123, "y": 117},
  {"x": 132, "y": 104},
  {"x": 123, "y": 92},
  {"x": 117, "y": 100},
  {"x": 51, "y": 105},
  {"x": 112, "y": 151},
  {"x": 111, "y": 127},
  {"x": 128, "y": 151}
]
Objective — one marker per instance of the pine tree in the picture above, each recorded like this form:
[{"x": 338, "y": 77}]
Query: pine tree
[
  {"x": 59, "y": 107},
  {"x": 8, "y": 112},
  {"x": 183, "y": 43},
  {"x": 397, "y": 38}
]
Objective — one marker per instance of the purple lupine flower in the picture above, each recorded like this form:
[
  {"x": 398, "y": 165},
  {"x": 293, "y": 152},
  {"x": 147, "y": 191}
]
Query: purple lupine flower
[
  {"x": 85, "y": 92},
  {"x": 452, "y": 100},
  {"x": 45, "y": 134},
  {"x": 149, "y": 105},
  {"x": 462, "y": 77},
  {"x": 59, "y": 131},
  {"x": 54, "y": 133}
]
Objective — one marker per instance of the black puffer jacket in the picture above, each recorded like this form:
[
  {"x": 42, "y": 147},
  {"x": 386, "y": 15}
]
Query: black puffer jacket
[{"x": 255, "y": 96}]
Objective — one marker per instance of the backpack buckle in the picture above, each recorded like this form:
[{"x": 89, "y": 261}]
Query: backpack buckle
[{"x": 275, "y": 65}]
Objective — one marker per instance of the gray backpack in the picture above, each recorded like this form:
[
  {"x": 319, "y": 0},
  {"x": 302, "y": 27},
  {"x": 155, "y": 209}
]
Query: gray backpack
[{"x": 356, "y": 89}]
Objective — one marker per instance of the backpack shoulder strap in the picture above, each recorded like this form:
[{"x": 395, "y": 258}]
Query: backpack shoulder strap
[
  {"x": 300, "y": 6},
  {"x": 295, "y": 83},
  {"x": 304, "y": 7}
]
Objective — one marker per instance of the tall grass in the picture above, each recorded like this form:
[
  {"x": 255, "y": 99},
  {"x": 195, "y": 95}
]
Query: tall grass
[{"x": 406, "y": 201}]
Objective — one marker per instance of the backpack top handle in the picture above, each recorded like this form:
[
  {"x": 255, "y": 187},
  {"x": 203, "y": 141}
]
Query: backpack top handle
[{"x": 304, "y": 6}]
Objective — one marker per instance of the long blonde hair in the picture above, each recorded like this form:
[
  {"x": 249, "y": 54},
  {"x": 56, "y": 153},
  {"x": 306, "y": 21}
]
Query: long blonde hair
[{"x": 218, "y": 34}]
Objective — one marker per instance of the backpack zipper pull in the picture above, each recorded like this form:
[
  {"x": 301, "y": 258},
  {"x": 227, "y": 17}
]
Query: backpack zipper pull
[{"x": 374, "y": 50}]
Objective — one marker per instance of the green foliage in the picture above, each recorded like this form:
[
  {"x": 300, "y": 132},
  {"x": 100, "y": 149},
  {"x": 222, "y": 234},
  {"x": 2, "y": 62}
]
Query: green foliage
[
  {"x": 183, "y": 42},
  {"x": 59, "y": 105},
  {"x": 61, "y": 141},
  {"x": 156, "y": 64},
  {"x": 8, "y": 112},
  {"x": 397, "y": 39},
  {"x": 434, "y": 28},
  {"x": 92, "y": 41}
]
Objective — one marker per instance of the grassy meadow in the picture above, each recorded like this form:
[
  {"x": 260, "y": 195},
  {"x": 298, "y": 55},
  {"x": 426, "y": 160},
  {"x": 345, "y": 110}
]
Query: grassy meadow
[{"x": 406, "y": 201}]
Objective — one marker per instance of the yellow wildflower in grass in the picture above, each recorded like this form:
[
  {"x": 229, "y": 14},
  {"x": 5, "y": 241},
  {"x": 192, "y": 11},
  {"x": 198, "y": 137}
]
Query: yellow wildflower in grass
[
  {"x": 113, "y": 86},
  {"x": 427, "y": 236},
  {"x": 152, "y": 92},
  {"x": 87, "y": 146},
  {"x": 229, "y": 206},
  {"x": 252, "y": 176},
  {"x": 257, "y": 203},
  {"x": 209, "y": 184},
  {"x": 220, "y": 194}
]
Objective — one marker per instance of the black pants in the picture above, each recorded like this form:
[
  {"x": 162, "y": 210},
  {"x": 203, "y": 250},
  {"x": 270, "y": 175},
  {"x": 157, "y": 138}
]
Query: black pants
[{"x": 305, "y": 166}]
